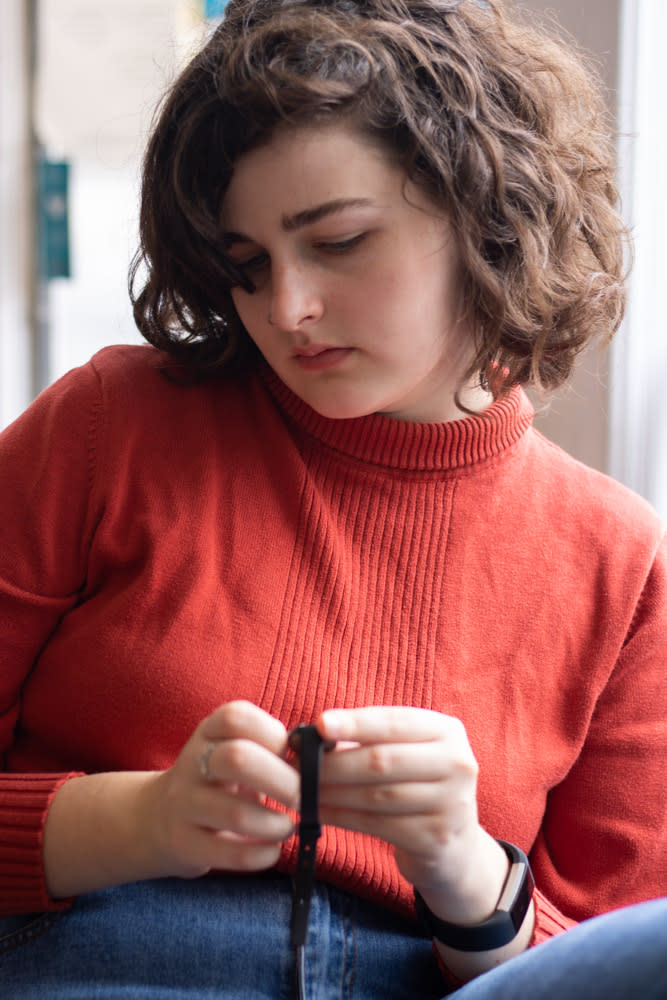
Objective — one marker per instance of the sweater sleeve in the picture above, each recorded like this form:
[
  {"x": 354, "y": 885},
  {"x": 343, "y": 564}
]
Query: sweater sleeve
[
  {"x": 47, "y": 467},
  {"x": 603, "y": 842}
]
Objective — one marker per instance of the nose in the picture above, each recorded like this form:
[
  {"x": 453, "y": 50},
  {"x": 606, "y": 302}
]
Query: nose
[{"x": 296, "y": 299}]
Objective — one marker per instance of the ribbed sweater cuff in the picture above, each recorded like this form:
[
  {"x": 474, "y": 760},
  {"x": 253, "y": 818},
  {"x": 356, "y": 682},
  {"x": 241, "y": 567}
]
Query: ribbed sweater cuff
[
  {"x": 24, "y": 803},
  {"x": 549, "y": 921}
]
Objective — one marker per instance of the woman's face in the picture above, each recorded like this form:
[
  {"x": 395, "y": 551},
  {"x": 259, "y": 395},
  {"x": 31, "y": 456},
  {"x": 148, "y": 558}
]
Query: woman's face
[{"x": 357, "y": 277}]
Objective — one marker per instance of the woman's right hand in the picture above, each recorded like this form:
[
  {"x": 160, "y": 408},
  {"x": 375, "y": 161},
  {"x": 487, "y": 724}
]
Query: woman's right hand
[
  {"x": 210, "y": 810},
  {"x": 103, "y": 830}
]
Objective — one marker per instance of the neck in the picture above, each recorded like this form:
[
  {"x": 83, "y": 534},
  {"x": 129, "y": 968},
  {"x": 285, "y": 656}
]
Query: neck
[{"x": 472, "y": 399}]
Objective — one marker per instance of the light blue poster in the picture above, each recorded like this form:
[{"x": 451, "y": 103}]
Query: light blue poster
[{"x": 214, "y": 8}]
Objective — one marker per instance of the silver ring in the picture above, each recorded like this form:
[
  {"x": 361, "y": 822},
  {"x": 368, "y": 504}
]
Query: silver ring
[{"x": 202, "y": 760}]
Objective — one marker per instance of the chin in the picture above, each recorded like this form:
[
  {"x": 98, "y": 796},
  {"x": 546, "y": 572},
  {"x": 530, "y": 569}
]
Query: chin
[{"x": 340, "y": 409}]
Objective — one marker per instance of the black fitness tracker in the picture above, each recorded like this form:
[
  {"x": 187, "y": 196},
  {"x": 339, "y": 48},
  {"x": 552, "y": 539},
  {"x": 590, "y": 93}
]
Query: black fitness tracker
[{"x": 503, "y": 925}]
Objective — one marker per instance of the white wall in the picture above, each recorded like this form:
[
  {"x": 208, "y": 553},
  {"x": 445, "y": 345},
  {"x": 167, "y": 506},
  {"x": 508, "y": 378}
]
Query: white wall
[
  {"x": 15, "y": 214},
  {"x": 92, "y": 309},
  {"x": 638, "y": 439},
  {"x": 102, "y": 69}
]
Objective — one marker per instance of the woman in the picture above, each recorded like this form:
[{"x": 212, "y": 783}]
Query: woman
[{"x": 318, "y": 498}]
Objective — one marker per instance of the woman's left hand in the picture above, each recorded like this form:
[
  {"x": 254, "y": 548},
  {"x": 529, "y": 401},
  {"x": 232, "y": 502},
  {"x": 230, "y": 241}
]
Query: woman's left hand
[{"x": 409, "y": 776}]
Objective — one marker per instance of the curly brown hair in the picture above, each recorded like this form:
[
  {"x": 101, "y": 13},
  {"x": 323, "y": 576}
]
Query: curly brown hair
[{"x": 503, "y": 125}]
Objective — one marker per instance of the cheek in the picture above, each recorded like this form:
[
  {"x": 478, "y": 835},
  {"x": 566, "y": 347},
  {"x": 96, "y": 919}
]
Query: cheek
[
  {"x": 379, "y": 291},
  {"x": 390, "y": 298}
]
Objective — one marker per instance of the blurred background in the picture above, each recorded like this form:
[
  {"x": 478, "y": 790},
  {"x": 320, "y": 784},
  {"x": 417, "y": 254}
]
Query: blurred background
[{"x": 79, "y": 80}]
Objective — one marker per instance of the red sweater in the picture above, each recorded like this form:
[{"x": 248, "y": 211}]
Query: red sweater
[{"x": 164, "y": 549}]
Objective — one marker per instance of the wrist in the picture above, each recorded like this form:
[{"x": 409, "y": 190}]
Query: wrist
[
  {"x": 95, "y": 833},
  {"x": 500, "y": 927},
  {"x": 466, "y": 890}
]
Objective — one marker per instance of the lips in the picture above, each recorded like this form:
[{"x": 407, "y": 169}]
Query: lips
[
  {"x": 312, "y": 350},
  {"x": 316, "y": 357}
]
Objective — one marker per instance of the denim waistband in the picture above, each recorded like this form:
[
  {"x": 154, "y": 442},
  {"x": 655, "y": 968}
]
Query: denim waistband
[{"x": 219, "y": 937}]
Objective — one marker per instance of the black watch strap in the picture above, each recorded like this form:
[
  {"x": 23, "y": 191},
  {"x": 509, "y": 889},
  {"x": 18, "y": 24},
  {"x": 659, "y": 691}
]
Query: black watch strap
[
  {"x": 503, "y": 925},
  {"x": 309, "y": 745}
]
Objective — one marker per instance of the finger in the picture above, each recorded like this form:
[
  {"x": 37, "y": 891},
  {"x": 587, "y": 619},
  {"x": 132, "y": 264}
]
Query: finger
[
  {"x": 214, "y": 808},
  {"x": 382, "y": 762},
  {"x": 221, "y": 850},
  {"x": 386, "y": 724},
  {"x": 253, "y": 767},
  {"x": 404, "y": 799},
  {"x": 247, "y": 855},
  {"x": 417, "y": 833},
  {"x": 244, "y": 720}
]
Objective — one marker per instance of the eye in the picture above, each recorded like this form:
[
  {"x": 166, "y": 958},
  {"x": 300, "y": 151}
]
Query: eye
[
  {"x": 341, "y": 246},
  {"x": 255, "y": 263},
  {"x": 252, "y": 271}
]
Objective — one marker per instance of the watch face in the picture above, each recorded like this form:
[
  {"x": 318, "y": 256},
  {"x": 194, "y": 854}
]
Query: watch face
[{"x": 517, "y": 892}]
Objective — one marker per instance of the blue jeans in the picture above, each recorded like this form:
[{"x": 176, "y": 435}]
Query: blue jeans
[{"x": 228, "y": 937}]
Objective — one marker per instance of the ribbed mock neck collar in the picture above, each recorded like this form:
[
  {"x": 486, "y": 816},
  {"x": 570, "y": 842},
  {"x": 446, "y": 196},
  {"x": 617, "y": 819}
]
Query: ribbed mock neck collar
[{"x": 401, "y": 444}]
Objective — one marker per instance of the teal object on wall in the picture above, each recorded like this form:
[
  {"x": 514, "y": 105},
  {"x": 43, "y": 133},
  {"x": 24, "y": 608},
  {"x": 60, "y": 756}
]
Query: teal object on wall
[
  {"x": 53, "y": 218},
  {"x": 214, "y": 8}
]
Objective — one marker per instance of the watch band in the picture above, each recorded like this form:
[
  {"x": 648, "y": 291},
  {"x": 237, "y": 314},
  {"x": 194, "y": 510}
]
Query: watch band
[
  {"x": 309, "y": 745},
  {"x": 503, "y": 925}
]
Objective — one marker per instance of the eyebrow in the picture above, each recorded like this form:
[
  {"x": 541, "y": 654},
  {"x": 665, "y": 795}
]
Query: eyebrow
[{"x": 307, "y": 217}]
